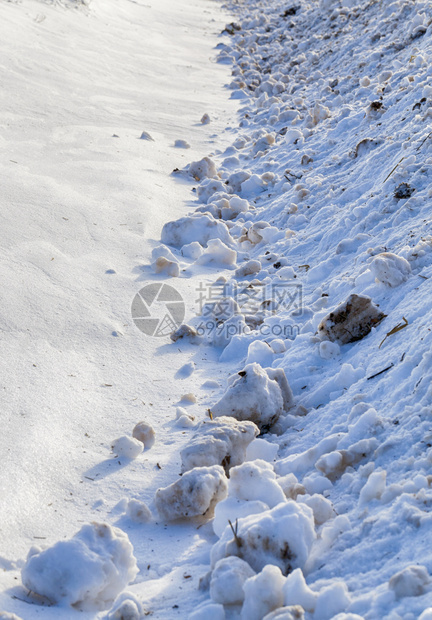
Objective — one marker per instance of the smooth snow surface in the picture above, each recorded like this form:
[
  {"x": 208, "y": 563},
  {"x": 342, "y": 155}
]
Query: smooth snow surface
[{"x": 262, "y": 170}]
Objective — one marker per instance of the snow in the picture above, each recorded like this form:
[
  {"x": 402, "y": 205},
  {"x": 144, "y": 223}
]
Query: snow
[
  {"x": 195, "y": 494},
  {"x": 263, "y": 593},
  {"x": 274, "y": 174},
  {"x": 227, "y": 581},
  {"x": 89, "y": 569},
  {"x": 218, "y": 442}
]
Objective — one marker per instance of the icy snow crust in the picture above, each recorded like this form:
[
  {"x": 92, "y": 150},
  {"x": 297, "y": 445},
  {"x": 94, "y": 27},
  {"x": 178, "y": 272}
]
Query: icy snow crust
[{"x": 325, "y": 186}]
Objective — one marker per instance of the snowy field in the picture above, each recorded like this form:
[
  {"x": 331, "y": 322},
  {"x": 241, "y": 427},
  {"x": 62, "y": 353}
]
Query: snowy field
[{"x": 216, "y": 318}]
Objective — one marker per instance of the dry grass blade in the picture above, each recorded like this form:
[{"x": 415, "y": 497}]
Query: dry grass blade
[
  {"x": 396, "y": 329},
  {"x": 389, "y": 175}
]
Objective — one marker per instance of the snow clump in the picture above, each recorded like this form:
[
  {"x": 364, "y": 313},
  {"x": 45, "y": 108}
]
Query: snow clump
[
  {"x": 255, "y": 394},
  {"x": 128, "y": 447},
  {"x": 217, "y": 253},
  {"x": 195, "y": 494},
  {"x": 263, "y": 593},
  {"x": 126, "y": 607},
  {"x": 351, "y": 321},
  {"x": 282, "y": 536},
  {"x": 411, "y": 581},
  {"x": 227, "y": 580},
  {"x": 203, "y": 169},
  {"x": 138, "y": 511},
  {"x": 144, "y": 432},
  {"x": 219, "y": 442},
  {"x": 390, "y": 269},
  {"x": 92, "y": 568},
  {"x": 198, "y": 228},
  {"x": 293, "y": 612}
]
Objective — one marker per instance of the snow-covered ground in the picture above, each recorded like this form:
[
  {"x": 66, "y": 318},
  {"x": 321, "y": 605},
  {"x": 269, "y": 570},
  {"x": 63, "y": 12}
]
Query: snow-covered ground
[{"x": 296, "y": 407}]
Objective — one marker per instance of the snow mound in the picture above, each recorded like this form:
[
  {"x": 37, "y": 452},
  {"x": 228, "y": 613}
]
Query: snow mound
[
  {"x": 297, "y": 592},
  {"x": 227, "y": 580},
  {"x": 263, "y": 593},
  {"x": 219, "y": 442},
  {"x": 5, "y": 615},
  {"x": 256, "y": 396},
  {"x": 390, "y": 269},
  {"x": 351, "y": 321},
  {"x": 195, "y": 494},
  {"x": 89, "y": 569},
  {"x": 198, "y": 228},
  {"x": 282, "y": 536}
]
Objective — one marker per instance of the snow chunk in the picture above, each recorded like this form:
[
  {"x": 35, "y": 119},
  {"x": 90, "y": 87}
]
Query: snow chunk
[
  {"x": 187, "y": 332},
  {"x": 228, "y": 577},
  {"x": 164, "y": 265},
  {"x": 254, "y": 395},
  {"x": 263, "y": 593},
  {"x": 182, "y": 144},
  {"x": 231, "y": 509},
  {"x": 126, "y": 607},
  {"x": 184, "y": 418},
  {"x": 331, "y": 601},
  {"x": 209, "y": 187},
  {"x": 282, "y": 536},
  {"x": 261, "y": 449},
  {"x": 255, "y": 480},
  {"x": 203, "y": 169},
  {"x": 192, "y": 250},
  {"x": 297, "y": 592},
  {"x": 199, "y": 228},
  {"x": 248, "y": 269},
  {"x": 219, "y": 442},
  {"x": 128, "y": 447},
  {"x": 138, "y": 511},
  {"x": 218, "y": 253},
  {"x": 390, "y": 268},
  {"x": 293, "y": 612},
  {"x": 411, "y": 581},
  {"x": 144, "y": 432},
  {"x": 322, "y": 507},
  {"x": 329, "y": 350},
  {"x": 196, "y": 493},
  {"x": 5, "y": 615},
  {"x": 90, "y": 568},
  {"x": 212, "y": 611},
  {"x": 351, "y": 321},
  {"x": 374, "y": 487}
]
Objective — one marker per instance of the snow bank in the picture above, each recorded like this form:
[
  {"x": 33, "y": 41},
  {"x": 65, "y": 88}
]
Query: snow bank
[
  {"x": 195, "y": 494},
  {"x": 218, "y": 442},
  {"x": 90, "y": 568},
  {"x": 282, "y": 536}
]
